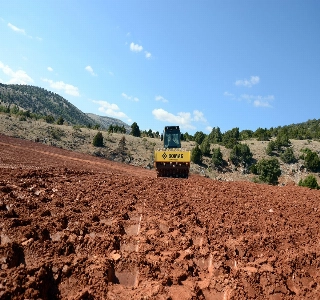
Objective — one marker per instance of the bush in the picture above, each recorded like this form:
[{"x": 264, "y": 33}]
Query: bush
[
  {"x": 196, "y": 155},
  {"x": 205, "y": 147},
  {"x": 231, "y": 137},
  {"x": 217, "y": 159},
  {"x": 269, "y": 170},
  {"x": 310, "y": 181},
  {"x": 49, "y": 119},
  {"x": 60, "y": 121},
  {"x": 241, "y": 154},
  {"x": 270, "y": 148},
  {"x": 98, "y": 140},
  {"x": 311, "y": 160},
  {"x": 288, "y": 157}
]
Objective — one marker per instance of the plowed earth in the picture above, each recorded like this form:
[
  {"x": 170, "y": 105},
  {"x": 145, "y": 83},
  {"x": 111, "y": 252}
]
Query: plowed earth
[{"x": 77, "y": 227}]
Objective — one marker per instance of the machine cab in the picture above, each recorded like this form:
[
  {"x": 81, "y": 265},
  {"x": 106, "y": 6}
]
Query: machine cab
[{"x": 171, "y": 137}]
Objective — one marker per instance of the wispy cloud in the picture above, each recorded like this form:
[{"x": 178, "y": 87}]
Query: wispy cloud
[
  {"x": 131, "y": 98},
  {"x": 248, "y": 83},
  {"x": 15, "y": 77},
  {"x": 255, "y": 100},
  {"x": 22, "y": 31},
  {"x": 135, "y": 47},
  {"x": 208, "y": 128},
  {"x": 227, "y": 94},
  {"x": 148, "y": 54},
  {"x": 61, "y": 86},
  {"x": 49, "y": 69},
  {"x": 258, "y": 101},
  {"x": 16, "y": 29},
  {"x": 160, "y": 98},
  {"x": 90, "y": 70},
  {"x": 111, "y": 109},
  {"x": 183, "y": 119}
]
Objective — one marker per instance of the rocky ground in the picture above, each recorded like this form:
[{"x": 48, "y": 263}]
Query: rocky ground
[{"x": 74, "y": 226}]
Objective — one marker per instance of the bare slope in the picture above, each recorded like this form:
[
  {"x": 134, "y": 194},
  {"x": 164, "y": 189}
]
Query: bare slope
[{"x": 78, "y": 227}]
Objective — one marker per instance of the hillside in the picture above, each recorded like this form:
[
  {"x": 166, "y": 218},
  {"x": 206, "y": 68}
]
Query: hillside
[
  {"x": 74, "y": 226},
  {"x": 105, "y": 121},
  {"x": 42, "y": 102},
  {"x": 140, "y": 151}
]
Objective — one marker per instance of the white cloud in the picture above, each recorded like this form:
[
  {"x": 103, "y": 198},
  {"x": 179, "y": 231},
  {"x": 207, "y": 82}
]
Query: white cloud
[
  {"x": 148, "y": 54},
  {"x": 209, "y": 129},
  {"x": 16, "y": 29},
  {"x": 258, "y": 101},
  {"x": 198, "y": 116},
  {"x": 183, "y": 119},
  {"x": 18, "y": 77},
  {"x": 131, "y": 98},
  {"x": 135, "y": 47},
  {"x": 90, "y": 70},
  {"x": 160, "y": 98},
  {"x": 248, "y": 83},
  {"x": 111, "y": 110},
  {"x": 227, "y": 94},
  {"x": 49, "y": 69},
  {"x": 22, "y": 31},
  {"x": 60, "y": 85}
]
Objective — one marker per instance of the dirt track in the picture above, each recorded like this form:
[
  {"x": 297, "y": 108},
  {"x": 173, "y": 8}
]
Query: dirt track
[{"x": 77, "y": 227}]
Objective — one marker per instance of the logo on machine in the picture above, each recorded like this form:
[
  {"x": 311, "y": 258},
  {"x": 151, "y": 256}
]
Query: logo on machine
[
  {"x": 175, "y": 155},
  {"x": 164, "y": 155}
]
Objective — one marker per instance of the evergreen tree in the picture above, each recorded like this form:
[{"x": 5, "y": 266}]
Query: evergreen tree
[
  {"x": 217, "y": 159},
  {"x": 199, "y": 136},
  {"x": 196, "y": 155},
  {"x": 311, "y": 160},
  {"x": 269, "y": 170},
  {"x": 98, "y": 140},
  {"x": 205, "y": 146},
  {"x": 241, "y": 154},
  {"x": 215, "y": 136},
  {"x": 135, "y": 131},
  {"x": 288, "y": 156},
  {"x": 60, "y": 121},
  {"x": 231, "y": 138}
]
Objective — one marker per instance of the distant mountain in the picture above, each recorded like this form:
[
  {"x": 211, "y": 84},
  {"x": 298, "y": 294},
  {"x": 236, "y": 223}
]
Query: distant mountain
[
  {"x": 105, "y": 122},
  {"x": 40, "y": 101}
]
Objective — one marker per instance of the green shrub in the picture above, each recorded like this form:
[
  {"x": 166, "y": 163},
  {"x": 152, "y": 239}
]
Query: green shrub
[
  {"x": 217, "y": 159},
  {"x": 312, "y": 161},
  {"x": 196, "y": 155},
  {"x": 288, "y": 156},
  {"x": 60, "y": 121},
  {"x": 205, "y": 147},
  {"x": 98, "y": 140},
  {"x": 241, "y": 154},
  {"x": 310, "y": 181},
  {"x": 269, "y": 170}
]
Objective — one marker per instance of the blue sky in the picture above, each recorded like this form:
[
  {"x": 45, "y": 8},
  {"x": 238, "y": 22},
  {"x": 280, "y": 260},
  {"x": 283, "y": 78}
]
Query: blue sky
[{"x": 197, "y": 64}]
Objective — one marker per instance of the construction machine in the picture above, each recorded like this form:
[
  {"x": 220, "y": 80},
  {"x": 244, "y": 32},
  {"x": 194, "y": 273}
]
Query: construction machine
[{"x": 172, "y": 160}]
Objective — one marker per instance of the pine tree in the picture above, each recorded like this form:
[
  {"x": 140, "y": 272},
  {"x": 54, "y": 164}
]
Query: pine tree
[{"x": 98, "y": 140}]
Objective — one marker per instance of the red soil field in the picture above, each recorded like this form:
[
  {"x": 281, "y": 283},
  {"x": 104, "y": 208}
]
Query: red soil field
[{"x": 73, "y": 226}]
